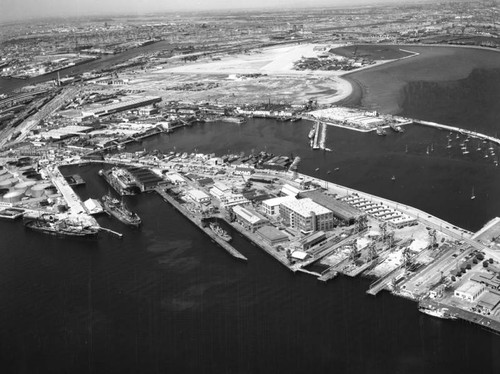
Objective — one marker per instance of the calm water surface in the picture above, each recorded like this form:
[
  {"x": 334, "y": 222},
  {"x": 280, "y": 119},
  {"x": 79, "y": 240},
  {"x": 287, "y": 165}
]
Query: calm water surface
[{"x": 166, "y": 299}]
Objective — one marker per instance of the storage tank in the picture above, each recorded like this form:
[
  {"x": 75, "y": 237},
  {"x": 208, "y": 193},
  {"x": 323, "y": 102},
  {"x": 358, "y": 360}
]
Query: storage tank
[
  {"x": 38, "y": 190},
  {"x": 24, "y": 186},
  {"x": 8, "y": 183},
  {"x": 27, "y": 167},
  {"x": 3, "y": 191},
  {"x": 34, "y": 176},
  {"x": 50, "y": 190},
  {"x": 5, "y": 177},
  {"x": 13, "y": 196}
]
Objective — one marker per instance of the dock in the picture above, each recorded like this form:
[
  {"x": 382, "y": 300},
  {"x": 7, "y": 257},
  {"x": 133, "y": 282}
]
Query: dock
[
  {"x": 479, "y": 319},
  {"x": 228, "y": 247},
  {"x": 472, "y": 134},
  {"x": 109, "y": 231}
]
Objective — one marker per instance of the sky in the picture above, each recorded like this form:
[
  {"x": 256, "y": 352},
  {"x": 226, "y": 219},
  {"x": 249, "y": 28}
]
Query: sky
[{"x": 11, "y": 10}]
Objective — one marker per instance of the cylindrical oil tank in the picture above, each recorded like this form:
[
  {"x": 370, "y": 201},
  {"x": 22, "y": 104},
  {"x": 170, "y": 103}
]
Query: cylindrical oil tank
[
  {"x": 8, "y": 183},
  {"x": 5, "y": 177},
  {"x": 24, "y": 186},
  {"x": 3, "y": 191},
  {"x": 24, "y": 168},
  {"x": 13, "y": 196},
  {"x": 39, "y": 189},
  {"x": 50, "y": 190},
  {"x": 34, "y": 176}
]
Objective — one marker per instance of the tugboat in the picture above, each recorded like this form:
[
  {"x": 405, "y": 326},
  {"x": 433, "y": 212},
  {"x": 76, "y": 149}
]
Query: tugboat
[
  {"x": 118, "y": 210},
  {"x": 48, "y": 224},
  {"x": 220, "y": 232}
]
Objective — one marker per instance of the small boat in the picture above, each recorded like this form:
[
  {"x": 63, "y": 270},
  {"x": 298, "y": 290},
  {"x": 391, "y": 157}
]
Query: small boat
[
  {"x": 472, "y": 196},
  {"x": 393, "y": 178},
  {"x": 336, "y": 169},
  {"x": 427, "y": 150},
  {"x": 406, "y": 148},
  {"x": 316, "y": 169},
  {"x": 381, "y": 131}
]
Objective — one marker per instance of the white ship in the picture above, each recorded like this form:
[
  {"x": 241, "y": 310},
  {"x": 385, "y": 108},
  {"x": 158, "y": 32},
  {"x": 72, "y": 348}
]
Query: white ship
[{"x": 437, "y": 312}]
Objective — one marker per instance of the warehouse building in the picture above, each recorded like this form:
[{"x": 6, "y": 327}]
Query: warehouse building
[
  {"x": 469, "y": 291},
  {"x": 306, "y": 215},
  {"x": 340, "y": 209},
  {"x": 271, "y": 235},
  {"x": 249, "y": 218}
]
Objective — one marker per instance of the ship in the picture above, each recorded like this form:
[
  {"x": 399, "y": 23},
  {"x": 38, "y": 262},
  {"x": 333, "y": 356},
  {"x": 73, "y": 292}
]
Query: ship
[
  {"x": 312, "y": 133},
  {"x": 117, "y": 209},
  {"x": 121, "y": 181},
  {"x": 437, "y": 312},
  {"x": 220, "y": 232},
  {"x": 396, "y": 128},
  {"x": 48, "y": 224}
]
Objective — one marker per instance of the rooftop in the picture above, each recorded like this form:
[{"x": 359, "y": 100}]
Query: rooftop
[{"x": 304, "y": 207}]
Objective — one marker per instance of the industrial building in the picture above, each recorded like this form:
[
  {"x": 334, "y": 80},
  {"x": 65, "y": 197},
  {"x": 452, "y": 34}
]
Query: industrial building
[
  {"x": 469, "y": 291},
  {"x": 249, "y": 218},
  {"x": 306, "y": 215},
  {"x": 104, "y": 110},
  {"x": 271, "y": 207},
  {"x": 489, "y": 301},
  {"x": 340, "y": 209},
  {"x": 198, "y": 196},
  {"x": 271, "y": 235},
  {"x": 145, "y": 179}
]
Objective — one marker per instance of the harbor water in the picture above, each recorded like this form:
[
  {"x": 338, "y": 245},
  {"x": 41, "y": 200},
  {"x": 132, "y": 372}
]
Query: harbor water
[{"x": 167, "y": 299}]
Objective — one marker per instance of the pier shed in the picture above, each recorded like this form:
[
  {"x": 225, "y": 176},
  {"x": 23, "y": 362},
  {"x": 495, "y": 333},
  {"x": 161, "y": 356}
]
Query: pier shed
[
  {"x": 249, "y": 218},
  {"x": 489, "y": 301},
  {"x": 271, "y": 235}
]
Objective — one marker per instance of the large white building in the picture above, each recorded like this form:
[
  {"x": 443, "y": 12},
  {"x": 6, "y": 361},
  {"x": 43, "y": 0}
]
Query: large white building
[
  {"x": 271, "y": 207},
  {"x": 469, "y": 291},
  {"x": 306, "y": 215}
]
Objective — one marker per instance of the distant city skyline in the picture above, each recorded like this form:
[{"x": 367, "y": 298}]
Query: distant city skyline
[{"x": 13, "y": 10}]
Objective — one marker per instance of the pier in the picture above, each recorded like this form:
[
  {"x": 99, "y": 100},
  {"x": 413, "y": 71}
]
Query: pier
[
  {"x": 109, "y": 231},
  {"x": 228, "y": 247},
  {"x": 472, "y": 134}
]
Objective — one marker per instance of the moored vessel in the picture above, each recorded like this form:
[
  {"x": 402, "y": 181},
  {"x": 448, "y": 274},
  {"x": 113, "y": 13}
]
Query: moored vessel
[
  {"x": 48, "y": 224},
  {"x": 117, "y": 209},
  {"x": 443, "y": 313},
  {"x": 220, "y": 232}
]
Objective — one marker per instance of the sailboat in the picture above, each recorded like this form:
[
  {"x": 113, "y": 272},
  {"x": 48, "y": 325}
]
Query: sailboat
[{"x": 472, "y": 196}]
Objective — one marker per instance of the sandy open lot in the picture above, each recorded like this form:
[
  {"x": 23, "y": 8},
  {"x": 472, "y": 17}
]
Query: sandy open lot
[{"x": 223, "y": 80}]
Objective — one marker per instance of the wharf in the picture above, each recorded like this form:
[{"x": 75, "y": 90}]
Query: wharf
[
  {"x": 253, "y": 238},
  {"x": 228, "y": 247},
  {"x": 109, "y": 231},
  {"x": 479, "y": 319}
]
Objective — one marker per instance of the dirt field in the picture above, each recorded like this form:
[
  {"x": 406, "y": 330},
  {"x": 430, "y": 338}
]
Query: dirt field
[{"x": 227, "y": 80}]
